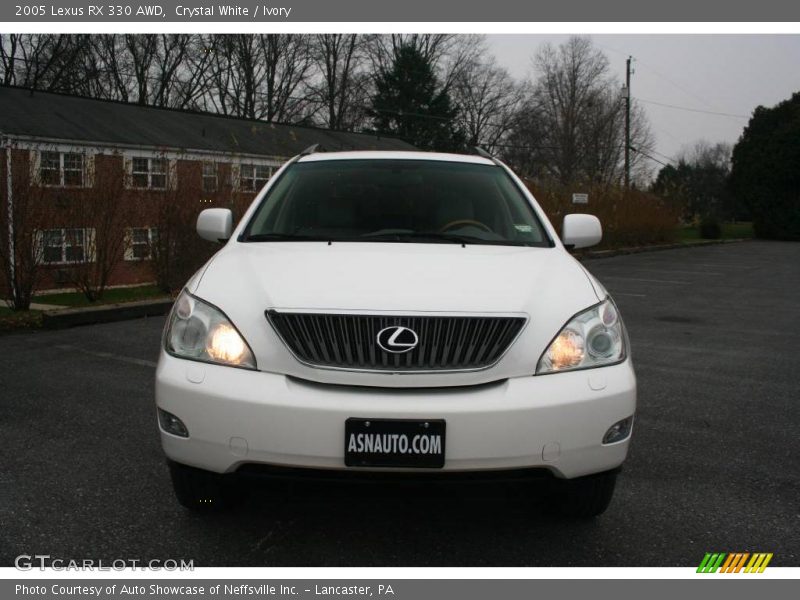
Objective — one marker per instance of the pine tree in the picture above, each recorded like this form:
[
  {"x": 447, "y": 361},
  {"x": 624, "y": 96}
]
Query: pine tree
[{"x": 410, "y": 104}]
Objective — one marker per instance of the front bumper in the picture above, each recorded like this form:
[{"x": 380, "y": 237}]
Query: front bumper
[{"x": 237, "y": 417}]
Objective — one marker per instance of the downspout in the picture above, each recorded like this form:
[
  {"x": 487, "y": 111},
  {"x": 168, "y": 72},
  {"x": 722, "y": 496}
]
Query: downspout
[{"x": 12, "y": 250}]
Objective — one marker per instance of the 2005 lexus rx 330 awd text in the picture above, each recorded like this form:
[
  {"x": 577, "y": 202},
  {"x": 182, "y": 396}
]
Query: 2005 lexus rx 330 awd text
[{"x": 396, "y": 312}]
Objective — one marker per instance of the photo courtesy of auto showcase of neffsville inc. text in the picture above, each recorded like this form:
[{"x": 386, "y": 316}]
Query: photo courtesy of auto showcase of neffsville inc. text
[{"x": 398, "y": 307}]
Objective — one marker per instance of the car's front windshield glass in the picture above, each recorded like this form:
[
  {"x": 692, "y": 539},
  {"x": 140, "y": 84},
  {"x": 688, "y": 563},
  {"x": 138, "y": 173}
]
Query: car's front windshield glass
[{"x": 388, "y": 200}]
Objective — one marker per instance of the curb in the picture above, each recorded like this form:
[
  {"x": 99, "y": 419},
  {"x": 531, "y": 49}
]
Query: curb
[
  {"x": 106, "y": 313},
  {"x": 594, "y": 254}
]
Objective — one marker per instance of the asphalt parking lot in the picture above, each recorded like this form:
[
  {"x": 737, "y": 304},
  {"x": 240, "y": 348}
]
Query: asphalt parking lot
[{"x": 714, "y": 465}]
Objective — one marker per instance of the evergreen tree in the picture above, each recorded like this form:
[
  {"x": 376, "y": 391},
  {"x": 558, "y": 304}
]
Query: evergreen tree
[
  {"x": 409, "y": 103},
  {"x": 766, "y": 170}
]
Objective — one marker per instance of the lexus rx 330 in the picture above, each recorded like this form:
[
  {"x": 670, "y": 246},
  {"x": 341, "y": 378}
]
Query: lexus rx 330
[{"x": 396, "y": 314}]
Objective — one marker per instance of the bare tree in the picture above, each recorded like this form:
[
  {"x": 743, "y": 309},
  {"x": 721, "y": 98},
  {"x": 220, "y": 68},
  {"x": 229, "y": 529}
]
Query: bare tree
[
  {"x": 9, "y": 51},
  {"x": 287, "y": 61},
  {"x": 102, "y": 212},
  {"x": 153, "y": 68},
  {"x": 176, "y": 250},
  {"x": 488, "y": 101},
  {"x": 21, "y": 248},
  {"x": 341, "y": 81},
  {"x": 50, "y": 62},
  {"x": 571, "y": 126},
  {"x": 705, "y": 154},
  {"x": 192, "y": 88},
  {"x": 114, "y": 71},
  {"x": 260, "y": 77}
]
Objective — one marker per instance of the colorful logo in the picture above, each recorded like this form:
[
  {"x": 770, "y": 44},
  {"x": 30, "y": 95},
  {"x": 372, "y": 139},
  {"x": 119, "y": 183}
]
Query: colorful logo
[{"x": 734, "y": 562}]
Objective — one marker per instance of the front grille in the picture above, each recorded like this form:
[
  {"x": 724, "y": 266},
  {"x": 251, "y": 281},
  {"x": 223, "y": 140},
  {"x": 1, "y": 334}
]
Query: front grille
[{"x": 348, "y": 341}]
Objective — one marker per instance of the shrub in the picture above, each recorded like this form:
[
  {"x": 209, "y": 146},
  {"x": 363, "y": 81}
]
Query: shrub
[
  {"x": 629, "y": 218},
  {"x": 765, "y": 174},
  {"x": 710, "y": 229}
]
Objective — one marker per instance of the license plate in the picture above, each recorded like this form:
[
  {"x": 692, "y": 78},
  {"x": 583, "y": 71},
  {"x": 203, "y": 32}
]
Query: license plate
[{"x": 394, "y": 443}]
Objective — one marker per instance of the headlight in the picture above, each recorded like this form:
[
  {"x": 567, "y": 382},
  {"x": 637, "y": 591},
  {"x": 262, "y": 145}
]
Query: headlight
[
  {"x": 593, "y": 338},
  {"x": 200, "y": 331}
]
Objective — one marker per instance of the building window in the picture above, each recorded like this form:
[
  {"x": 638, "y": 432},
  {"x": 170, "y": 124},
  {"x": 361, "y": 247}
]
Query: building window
[
  {"x": 209, "y": 177},
  {"x": 254, "y": 177},
  {"x": 140, "y": 243},
  {"x": 60, "y": 246},
  {"x": 149, "y": 173},
  {"x": 65, "y": 169}
]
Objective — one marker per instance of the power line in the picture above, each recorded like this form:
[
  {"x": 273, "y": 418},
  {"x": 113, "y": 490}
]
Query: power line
[
  {"x": 676, "y": 84},
  {"x": 669, "y": 158},
  {"x": 646, "y": 155},
  {"x": 694, "y": 110}
]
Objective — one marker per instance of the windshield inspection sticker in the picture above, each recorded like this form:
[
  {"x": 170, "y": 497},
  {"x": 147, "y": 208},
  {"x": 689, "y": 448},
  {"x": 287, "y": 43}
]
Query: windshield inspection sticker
[{"x": 523, "y": 228}]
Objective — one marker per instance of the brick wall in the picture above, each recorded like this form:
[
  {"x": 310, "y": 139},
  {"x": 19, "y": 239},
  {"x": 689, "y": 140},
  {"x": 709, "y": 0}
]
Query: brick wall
[{"x": 172, "y": 211}]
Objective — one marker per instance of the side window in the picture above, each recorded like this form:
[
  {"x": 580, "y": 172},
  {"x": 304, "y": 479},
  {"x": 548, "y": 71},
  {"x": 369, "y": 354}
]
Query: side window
[
  {"x": 140, "y": 242},
  {"x": 62, "y": 169},
  {"x": 73, "y": 168},
  {"x": 210, "y": 181},
  {"x": 158, "y": 173},
  {"x": 140, "y": 172},
  {"x": 62, "y": 246},
  {"x": 253, "y": 177},
  {"x": 148, "y": 173},
  {"x": 50, "y": 168},
  {"x": 53, "y": 244}
]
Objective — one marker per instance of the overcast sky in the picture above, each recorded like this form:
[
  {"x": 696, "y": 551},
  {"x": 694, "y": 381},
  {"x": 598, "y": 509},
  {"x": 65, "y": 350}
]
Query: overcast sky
[{"x": 719, "y": 73}]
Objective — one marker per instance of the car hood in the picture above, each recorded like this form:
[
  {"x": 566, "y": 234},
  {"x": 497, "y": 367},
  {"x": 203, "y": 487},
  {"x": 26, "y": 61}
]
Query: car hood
[{"x": 546, "y": 285}]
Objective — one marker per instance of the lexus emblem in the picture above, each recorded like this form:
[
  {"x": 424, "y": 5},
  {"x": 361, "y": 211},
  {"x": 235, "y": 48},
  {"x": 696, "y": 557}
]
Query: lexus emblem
[{"x": 397, "y": 339}]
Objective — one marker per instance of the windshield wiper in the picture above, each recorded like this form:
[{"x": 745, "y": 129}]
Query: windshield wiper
[{"x": 385, "y": 236}]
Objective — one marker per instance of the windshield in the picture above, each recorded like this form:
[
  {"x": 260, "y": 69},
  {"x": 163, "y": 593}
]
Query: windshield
[{"x": 422, "y": 201}]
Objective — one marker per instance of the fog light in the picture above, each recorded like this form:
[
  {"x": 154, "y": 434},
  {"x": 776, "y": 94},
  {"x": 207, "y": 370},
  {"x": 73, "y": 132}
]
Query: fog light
[
  {"x": 618, "y": 431},
  {"x": 172, "y": 424}
]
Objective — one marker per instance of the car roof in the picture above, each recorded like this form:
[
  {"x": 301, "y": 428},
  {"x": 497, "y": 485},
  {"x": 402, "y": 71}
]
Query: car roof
[{"x": 395, "y": 155}]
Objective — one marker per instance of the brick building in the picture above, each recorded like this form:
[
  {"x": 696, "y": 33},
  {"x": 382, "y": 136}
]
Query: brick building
[{"x": 80, "y": 176}]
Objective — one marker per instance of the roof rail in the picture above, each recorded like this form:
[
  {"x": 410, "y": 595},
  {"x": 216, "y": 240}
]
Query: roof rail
[{"x": 485, "y": 154}]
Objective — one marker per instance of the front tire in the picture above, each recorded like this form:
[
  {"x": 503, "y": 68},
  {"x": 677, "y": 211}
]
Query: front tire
[
  {"x": 583, "y": 497},
  {"x": 201, "y": 490}
]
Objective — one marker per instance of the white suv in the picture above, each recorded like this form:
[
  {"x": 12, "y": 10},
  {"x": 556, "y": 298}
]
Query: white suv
[{"x": 402, "y": 313}]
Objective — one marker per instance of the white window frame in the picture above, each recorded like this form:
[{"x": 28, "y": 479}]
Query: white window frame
[
  {"x": 150, "y": 159},
  {"x": 253, "y": 179},
  {"x": 61, "y": 170},
  {"x": 87, "y": 245},
  {"x": 152, "y": 237},
  {"x": 214, "y": 167}
]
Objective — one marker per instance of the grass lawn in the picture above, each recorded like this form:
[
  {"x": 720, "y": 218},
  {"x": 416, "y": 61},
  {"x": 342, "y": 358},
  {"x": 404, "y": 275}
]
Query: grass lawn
[
  {"x": 32, "y": 319},
  {"x": 736, "y": 230},
  {"x": 110, "y": 296}
]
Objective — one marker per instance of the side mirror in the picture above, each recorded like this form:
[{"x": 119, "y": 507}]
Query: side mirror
[
  {"x": 581, "y": 231},
  {"x": 215, "y": 224}
]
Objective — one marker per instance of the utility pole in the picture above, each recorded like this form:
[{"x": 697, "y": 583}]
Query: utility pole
[{"x": 628, "y": 123}]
